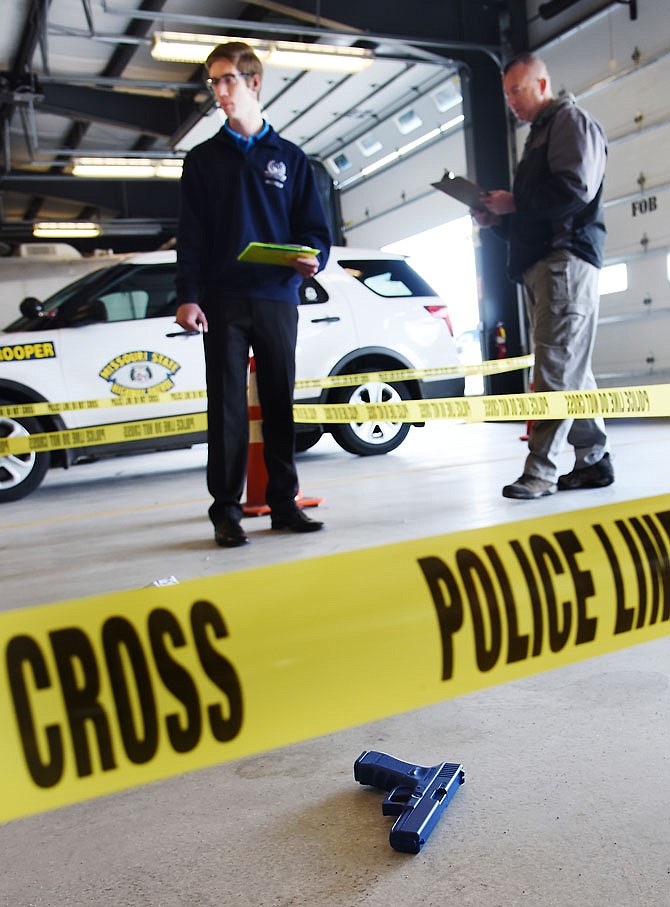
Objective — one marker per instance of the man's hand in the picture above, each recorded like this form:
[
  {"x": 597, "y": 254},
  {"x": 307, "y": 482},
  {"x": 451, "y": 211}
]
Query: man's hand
[
  {"x": 484, "y": 218},
  {"x": 499, "y": 201},
  {"x": 191, "y": 317},
  {"x": 306, "y": 267}
]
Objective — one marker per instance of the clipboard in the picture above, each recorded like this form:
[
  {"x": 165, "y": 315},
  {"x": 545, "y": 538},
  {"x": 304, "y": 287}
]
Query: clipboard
[
  {"x": 463, "y": 190},
  {"x": 275, "y": 253}
]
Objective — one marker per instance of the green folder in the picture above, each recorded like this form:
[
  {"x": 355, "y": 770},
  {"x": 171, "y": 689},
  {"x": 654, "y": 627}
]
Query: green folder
[{"x": 275, "y": 253}]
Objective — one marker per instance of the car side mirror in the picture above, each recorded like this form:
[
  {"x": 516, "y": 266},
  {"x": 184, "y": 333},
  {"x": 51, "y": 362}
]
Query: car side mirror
[{"x": 31, "y": 307}]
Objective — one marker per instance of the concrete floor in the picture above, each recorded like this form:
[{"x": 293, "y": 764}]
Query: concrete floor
[{"x": 567, "y": 799}]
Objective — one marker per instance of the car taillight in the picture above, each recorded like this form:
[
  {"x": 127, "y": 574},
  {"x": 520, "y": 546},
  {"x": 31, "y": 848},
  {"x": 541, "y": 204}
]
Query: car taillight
[{"x": 441, "y": 311}]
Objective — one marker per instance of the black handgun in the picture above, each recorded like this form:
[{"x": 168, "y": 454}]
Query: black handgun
[{"x": 418, "y": 795}]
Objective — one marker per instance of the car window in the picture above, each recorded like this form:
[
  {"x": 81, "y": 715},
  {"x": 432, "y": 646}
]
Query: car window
[
  {"x": 82, "y": 288},
  {"x": 387, "y": 277},
  {"x": 385, "y": 285},
  {"x": 123, "y": 292},
  {"x": 147, "y": 292},
  {"x": 311, "y": 292}
]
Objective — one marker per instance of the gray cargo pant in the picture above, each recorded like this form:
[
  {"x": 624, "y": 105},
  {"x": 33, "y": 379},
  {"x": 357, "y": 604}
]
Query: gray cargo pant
[{"x": 561, "y": 295}]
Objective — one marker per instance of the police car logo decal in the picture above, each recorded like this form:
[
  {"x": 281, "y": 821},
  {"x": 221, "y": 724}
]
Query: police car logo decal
[
  {"x": 140, "y": 372},
  {"x": 275, "y": 174}
]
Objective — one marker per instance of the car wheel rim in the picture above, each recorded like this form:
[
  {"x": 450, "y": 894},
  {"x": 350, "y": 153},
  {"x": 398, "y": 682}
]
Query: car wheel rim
[
  {"x": 375, "y": 433},
  {"x": 14, "y": 468}
]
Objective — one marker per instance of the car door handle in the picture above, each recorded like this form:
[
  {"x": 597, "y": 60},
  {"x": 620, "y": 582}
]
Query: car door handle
[
  {"x": 326, "y": 318},
  {"x": 184, "y": 334}
]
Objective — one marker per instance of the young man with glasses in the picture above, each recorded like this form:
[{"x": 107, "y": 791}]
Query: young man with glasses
[{"x": 246, "y": 184}]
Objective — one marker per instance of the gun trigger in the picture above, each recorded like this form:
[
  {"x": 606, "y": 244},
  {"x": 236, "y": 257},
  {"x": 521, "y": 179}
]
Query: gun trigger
[{"x": 396, "y": 801}]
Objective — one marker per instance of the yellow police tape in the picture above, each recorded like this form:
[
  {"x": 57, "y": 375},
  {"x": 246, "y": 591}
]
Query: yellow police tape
[
  {"x": 95, "y": 435},
  {"x": 493, "y": 366},
  {"x": 30, "y": 410},
  {"x": 490, "y": 367},
  {"x": 617, "y": 403},
  {"x": 612, "y": 403},
  {"x": 113, "y": 691}
]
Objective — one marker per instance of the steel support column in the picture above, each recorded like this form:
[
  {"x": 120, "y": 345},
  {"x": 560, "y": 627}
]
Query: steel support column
[{"x": 487, "y": 151}]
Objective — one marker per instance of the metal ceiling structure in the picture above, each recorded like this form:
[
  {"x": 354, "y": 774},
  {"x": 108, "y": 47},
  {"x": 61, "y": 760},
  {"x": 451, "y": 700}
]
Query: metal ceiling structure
[{"x": 77, "y": 78}]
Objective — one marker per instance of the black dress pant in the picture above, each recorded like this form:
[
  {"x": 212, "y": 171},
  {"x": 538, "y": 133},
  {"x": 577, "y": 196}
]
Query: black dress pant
[{"x": 270, "y": 328}]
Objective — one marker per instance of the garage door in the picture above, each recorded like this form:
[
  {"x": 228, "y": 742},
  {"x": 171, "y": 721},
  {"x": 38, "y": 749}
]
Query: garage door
[{"x": 619, "y": 70}]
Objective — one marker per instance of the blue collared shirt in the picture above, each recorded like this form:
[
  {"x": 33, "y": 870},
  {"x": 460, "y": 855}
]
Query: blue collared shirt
[{"x": 243, "y": 143}]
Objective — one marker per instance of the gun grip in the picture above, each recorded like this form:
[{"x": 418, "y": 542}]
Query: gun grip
[{"x": 385, "y": 772}]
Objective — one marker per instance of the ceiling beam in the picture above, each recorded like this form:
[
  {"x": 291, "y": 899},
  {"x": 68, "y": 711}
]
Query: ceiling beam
[
  {"x": 129, "y": 197},
  {"x": 474, "y": 21},
  {"x": 137, "y": 28},
  {"x": 291, "y": 12},
  {"x": 33, "y": 32},
  {"x": 142, "y": 113}
]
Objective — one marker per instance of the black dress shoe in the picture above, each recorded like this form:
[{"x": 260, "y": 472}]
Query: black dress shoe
[
  {"x": 296, "y": 521},
  {"x": 229, "y": 534}
]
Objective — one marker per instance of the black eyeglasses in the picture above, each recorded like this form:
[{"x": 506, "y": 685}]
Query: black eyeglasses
[{"x": 229, "y": 80}]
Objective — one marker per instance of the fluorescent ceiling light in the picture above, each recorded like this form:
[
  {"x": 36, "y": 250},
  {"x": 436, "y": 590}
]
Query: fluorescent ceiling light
[
  {"x": 74, "y": 230},
  {"x": 322, "y": 57},
  {"x": 169, "y": 169},
  {"x": 187, "y": 48},
  {"x": 127, "y": 168},
  {"x": 174, "y": 47}
]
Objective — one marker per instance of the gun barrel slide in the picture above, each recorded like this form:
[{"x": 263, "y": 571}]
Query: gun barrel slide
[{"x": 417, "y": 795}]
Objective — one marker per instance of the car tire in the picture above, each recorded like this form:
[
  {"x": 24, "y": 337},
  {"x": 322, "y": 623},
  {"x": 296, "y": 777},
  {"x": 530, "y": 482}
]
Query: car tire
[
  {"x": 304, "y": 440},
  {"x": 20, "y": 474},
  {"x": 370, "y": 438}
]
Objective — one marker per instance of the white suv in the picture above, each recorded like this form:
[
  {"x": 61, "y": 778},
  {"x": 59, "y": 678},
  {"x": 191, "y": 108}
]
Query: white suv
[{"x": 113, "y": 332}]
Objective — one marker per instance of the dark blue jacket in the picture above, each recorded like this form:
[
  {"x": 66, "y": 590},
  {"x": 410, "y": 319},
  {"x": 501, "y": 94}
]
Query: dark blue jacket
[
  {"x": 558, "y": 189},
  {"x": 230, "y": 198}
]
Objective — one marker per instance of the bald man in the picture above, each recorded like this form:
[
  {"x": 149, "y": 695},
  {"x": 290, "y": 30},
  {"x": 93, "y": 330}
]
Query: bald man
[{"x": 553, "y": 223}]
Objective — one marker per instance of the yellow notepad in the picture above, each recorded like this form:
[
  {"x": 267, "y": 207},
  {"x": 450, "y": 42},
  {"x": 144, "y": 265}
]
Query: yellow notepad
[{"x": 275, "y": 253}]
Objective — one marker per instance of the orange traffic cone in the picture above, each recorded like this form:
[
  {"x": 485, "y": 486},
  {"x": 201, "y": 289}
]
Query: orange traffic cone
[{"x": 257, "y": 474}]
